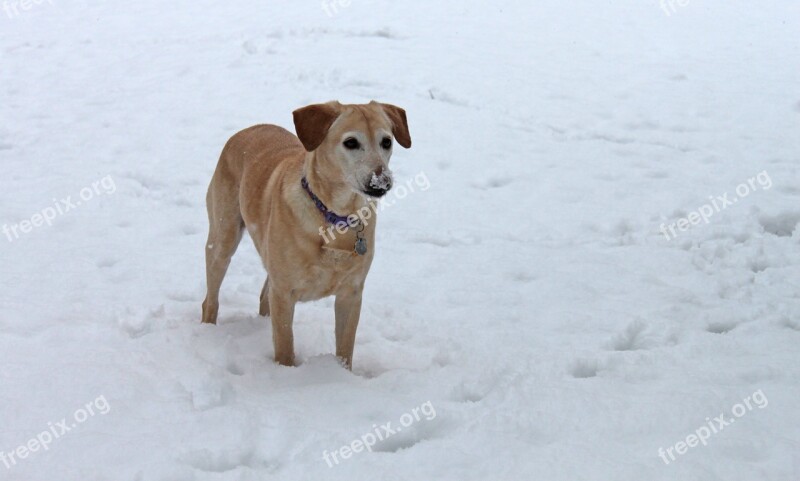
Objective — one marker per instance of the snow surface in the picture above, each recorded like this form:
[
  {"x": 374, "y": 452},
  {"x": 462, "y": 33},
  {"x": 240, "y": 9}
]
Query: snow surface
[{"x": 528, "y": 296}]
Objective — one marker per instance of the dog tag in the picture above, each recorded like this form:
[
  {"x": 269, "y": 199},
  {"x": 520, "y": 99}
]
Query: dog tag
[{"x": 361, "y": 246}]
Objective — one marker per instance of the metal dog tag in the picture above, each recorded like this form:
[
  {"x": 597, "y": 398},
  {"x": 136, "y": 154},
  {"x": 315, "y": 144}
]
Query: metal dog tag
[{"x": 361, "y": 246}]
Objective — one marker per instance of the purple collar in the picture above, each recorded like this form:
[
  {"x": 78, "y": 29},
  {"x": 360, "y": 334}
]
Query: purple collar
[{"x": 330, "y": 216}]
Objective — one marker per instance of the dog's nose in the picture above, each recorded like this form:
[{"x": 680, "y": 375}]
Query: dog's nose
[{"x": 379, "y": 183}]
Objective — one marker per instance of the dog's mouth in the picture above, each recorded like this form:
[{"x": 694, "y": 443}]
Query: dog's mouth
[{"x": 376, "y": 193}]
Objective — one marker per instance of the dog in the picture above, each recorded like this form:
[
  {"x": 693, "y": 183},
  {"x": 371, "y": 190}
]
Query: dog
[{"x": 287, "y": 191}]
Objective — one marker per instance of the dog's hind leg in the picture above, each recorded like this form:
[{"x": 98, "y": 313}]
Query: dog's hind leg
[
  {"x": 263, "y": 309},
  {"x": 225, "y": 231}
]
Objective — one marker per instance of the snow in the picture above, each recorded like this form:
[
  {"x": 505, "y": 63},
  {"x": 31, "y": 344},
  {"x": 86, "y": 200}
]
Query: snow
[{"x": 528, "y": 296}]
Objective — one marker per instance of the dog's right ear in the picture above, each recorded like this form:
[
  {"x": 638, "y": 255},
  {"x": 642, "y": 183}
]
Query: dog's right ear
[{"x": 312, "y": 123}]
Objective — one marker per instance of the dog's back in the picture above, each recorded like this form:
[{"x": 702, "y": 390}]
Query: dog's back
[
  {"x": 259, "y": 150},
  {"x": 248, "y": 161}
]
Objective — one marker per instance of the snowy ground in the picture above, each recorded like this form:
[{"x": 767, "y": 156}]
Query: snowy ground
[{"x": 525, "y": 305}]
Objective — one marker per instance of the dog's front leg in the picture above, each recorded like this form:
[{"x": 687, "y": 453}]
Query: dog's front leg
[
  {"x": 282, "y": 314},
  {"x": 348, "y": 312}
]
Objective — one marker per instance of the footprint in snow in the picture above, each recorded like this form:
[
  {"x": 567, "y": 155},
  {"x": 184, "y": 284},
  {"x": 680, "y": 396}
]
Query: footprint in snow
[
  {"x": 234, "y": 368},
  {"x": 657, "y": 174},
  {"x": 380, "y": 33},
  {"x": 228, "y": 460},
  {"x": 181, "y": 296},
  {"x": 781, "y": 225},
  {"x": 107, "y": 262},
  {"x": 794, "y": 325},
  {"x": 183, "y": 202},
  {"x": 469, "y": 393},
  {"x": 633, "y": 339},
  {"x": 256, "y": 46},
  {"x": 759, "y": 265},
  {"x": 190, "y": 230},
  {"x": 789, "y": 189},
  {"x": 721, "y": 327},
  {"x": 409, "y": 436},
  {"x": 585, "y": 369},
  {"x": 137, "y": 324},
  {"x": 432, "y": 241},
  {"x": 521, "y": 276},
  {"x": 493, "y": 183},
  {"x": 442, "y": 96},
  {"x": 396, "y": 443}
]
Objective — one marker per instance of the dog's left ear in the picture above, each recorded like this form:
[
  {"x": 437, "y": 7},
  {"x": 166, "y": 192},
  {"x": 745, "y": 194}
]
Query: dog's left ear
[
  {"x": 312, "y": 123},
  {"x": 399, "y": 124}
]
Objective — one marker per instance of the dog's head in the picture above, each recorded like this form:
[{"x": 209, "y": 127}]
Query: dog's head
[{"x": 355, "y": 141}]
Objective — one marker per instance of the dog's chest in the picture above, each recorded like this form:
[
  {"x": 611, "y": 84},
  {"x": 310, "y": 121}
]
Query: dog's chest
[
  {"x": 337, "y": 259},
  {"x": 336, "y": 269},
  {"x": 341, "y": 253}
]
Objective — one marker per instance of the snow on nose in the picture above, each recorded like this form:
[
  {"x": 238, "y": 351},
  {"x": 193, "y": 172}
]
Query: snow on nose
[{"x": 381, "y": 180}]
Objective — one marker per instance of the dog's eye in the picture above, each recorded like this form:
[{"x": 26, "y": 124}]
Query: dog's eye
[
  {"x": 351, "y": 144},
  {"x": 386, "y": 143}
]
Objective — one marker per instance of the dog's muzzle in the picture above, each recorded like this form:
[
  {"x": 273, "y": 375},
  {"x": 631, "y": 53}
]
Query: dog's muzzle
[{"x": 379, "y": 184}]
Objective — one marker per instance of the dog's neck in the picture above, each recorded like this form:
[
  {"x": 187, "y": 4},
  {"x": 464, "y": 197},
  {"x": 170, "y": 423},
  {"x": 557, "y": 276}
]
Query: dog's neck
[{"x": 331, "y": 189}]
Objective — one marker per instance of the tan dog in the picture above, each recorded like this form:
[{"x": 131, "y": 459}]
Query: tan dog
[{"x": 286, "y": 191}]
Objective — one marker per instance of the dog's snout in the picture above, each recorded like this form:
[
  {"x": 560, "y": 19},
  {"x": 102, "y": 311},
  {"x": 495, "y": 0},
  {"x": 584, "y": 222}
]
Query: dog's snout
[{"x": 379, "y": 183}]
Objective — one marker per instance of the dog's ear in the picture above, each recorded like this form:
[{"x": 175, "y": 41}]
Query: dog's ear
[
  {"x": 399, "y": 124},
  {"x": 312, "y": 123}
]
